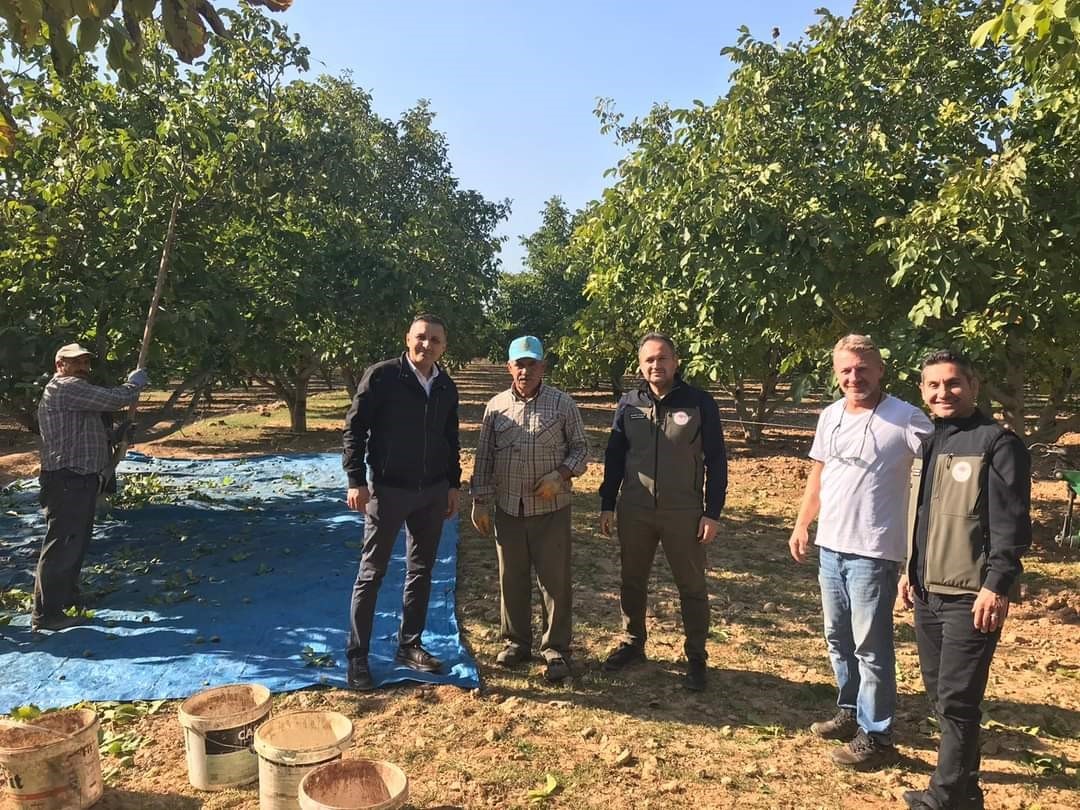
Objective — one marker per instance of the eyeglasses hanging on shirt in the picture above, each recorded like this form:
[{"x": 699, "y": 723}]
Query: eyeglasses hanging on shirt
[{"x": 834, "y": 449}]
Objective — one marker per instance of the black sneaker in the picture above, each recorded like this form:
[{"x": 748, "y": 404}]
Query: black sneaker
[
  {"x": 557, "y": 670},
  {"x": 696, "y": 674},
  {"x": 865, "y": 753},
  {"x": 416, "y": 657},
  {"x": 359, "y": 678},
  {"x": 841, "y": 727},
  {"x": 623, "y": 656},
  {"x": 512, "y": 655}
]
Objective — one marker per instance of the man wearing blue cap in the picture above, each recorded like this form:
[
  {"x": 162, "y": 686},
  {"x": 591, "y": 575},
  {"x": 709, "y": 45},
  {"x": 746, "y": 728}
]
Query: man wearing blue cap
[{"x": 532, "y": 442}]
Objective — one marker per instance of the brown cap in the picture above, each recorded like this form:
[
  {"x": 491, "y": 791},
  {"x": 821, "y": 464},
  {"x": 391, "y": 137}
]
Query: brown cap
[{"x": 72, "y": 350}]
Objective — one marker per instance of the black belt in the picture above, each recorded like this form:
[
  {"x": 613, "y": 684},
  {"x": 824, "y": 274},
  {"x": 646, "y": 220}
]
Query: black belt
[{"x": 416, "y": 483}]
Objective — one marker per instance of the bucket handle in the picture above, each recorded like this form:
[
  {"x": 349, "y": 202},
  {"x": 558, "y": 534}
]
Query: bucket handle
[{"x": 202, "y": 735}]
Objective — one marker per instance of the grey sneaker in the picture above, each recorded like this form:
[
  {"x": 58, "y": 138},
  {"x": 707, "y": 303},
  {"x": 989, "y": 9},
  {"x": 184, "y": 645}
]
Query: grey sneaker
[
  {"x": 840, "y": 727},
  {"x": 864, "y": 753}
]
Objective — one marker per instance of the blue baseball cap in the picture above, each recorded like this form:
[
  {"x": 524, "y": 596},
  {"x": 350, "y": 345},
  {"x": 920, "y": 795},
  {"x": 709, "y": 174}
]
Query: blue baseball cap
[{"x": 525, "y": 347}]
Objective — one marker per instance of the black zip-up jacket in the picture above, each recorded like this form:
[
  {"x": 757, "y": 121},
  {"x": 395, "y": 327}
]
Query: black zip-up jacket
[
  {"x": 666, "y": 453},
  {"x": 972, "y": 518},
  {"x": 409, "y": 440}
]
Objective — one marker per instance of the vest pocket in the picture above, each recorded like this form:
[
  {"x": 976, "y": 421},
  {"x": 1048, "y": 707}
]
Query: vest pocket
[
  {"x": 958, "y": 485},
  {"x": 951, "y": 556}
]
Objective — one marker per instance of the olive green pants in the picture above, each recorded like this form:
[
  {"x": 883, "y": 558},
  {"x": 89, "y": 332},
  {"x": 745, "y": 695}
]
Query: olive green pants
[
  {"x": 640, "y": 530},
  {"x": 539, "y": 543}
]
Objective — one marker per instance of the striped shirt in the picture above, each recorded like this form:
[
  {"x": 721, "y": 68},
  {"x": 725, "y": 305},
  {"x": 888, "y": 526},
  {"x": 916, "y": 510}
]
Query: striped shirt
[
  {"x": 522, "y": 440},
  {"x": 73, "y": 435}
]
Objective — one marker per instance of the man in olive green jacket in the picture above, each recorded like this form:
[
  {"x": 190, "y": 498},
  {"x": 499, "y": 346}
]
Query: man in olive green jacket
[{"x": 969, "y": 525}]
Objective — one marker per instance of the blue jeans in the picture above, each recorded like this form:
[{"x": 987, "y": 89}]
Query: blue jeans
[{"x": 857, "y": 596}]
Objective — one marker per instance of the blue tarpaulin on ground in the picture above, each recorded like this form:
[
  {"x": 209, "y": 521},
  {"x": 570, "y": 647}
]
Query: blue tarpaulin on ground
[{"x": 245, "y": 576}]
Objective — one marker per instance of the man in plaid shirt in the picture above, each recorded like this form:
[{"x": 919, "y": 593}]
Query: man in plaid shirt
[
  {"x": 75, "y": 451},
  {"x": 532, "y": 442}
]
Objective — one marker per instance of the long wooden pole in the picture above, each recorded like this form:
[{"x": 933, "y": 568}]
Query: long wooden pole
[{"x": 151, "y": 317}]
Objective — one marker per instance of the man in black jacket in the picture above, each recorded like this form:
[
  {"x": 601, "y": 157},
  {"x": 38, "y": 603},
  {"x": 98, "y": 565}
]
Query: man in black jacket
[
  {"x": 666, "y": 455},
  {"x": 402, "y": 456},
  {"x": 969, "y": 523}
]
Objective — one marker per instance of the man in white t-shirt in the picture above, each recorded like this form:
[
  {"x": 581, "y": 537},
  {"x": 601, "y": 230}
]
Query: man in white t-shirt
[{"x": 857, "y": 489}]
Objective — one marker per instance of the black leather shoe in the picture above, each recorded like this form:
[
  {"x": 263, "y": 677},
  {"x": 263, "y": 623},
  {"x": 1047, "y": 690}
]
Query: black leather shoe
[
  {"x": 557, "y": 670},
  {"x": 55, "y": 623},
  {"x": 359, "y": 678},
  {"x": 922, "y": 800},
  {"x": 512, "y": 655},
  {"x": 623, "y": 656},
  {"x": 696, "y": 675},
  {"x": 418, "y": 658},
  {"x": 918, "y": 800}
]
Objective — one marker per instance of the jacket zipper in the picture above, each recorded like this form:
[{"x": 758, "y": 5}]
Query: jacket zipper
[
  {"x": 935, "y": 494},
  {"x": 656, "y": 456},
  {"x": 423, "y": 466}
]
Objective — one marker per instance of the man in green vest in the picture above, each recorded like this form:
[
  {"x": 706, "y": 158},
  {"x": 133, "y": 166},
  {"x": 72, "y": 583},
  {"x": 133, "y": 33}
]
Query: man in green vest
[{"x": 969, "y": 525}]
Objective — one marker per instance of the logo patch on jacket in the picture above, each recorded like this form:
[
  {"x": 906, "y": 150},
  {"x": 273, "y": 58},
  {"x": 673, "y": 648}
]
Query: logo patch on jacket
[
  {"x": 680, "y": 418},
  {"x": 961, "y": 471}
]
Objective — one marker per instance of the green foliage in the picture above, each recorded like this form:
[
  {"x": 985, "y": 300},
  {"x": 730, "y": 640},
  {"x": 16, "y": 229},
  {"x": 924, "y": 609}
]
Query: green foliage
[
  {"x": 543, "y": 299},
  {"x": 312, "y": 658},
  {"x": 878, "y": 176},
  {"x": 311, "y": 229}
]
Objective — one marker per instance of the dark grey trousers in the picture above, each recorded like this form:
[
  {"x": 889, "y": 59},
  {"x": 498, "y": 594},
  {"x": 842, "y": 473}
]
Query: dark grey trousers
[
  {"x": 422, "y": 512},
  {"x": 640, "y": 530},
  {"x": 955, "y": 661},
  {"x": 540, "y": 543},
  {"x": 69, "y": 500}
]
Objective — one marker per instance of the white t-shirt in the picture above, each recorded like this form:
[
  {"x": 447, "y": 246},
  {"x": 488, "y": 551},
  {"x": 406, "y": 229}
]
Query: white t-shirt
[{"x": 865, "y": 480}]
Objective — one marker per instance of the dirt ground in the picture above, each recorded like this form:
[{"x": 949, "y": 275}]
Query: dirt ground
[{"x": 638, "y": 740}]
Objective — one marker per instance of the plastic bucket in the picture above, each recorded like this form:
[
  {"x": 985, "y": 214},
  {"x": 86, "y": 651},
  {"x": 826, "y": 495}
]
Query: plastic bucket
[
  {"x": 52, "y": 763},
  {"x": 219, "y": 726},
  {"x": 355, "y": 784},
  {"x": 292, "y": 744}
]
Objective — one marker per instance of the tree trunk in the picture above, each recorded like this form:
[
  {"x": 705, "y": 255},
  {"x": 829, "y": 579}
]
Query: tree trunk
[
  {"x": 770, "y": 378},
  {"x": 1059, "y": 396},
  {"x": 742, "y": 412},
  {"x": 1011, "y": 392},
  {"x": 352, "y": 381},
  {"x": 298, "y": 404},
  {"x": 615, "y": 377}
]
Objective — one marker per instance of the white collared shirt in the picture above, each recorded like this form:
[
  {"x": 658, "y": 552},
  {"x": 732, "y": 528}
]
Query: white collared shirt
[{"x": 427, "y": 382}]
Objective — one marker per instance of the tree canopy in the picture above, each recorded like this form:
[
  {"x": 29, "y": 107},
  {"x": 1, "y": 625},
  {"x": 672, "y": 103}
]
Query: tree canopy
[
  {"x": 310, "y": 230},
  {"x": 880, "y": 175}
]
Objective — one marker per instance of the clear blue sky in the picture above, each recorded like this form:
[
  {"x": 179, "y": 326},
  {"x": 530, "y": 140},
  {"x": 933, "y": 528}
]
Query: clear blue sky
[{"x": 514, "y": 83}]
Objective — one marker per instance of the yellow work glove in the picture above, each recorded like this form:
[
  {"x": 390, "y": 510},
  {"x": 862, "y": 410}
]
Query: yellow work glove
[
  {"x": 549, "y": 486},
  {"x": 481, "y": 518}
]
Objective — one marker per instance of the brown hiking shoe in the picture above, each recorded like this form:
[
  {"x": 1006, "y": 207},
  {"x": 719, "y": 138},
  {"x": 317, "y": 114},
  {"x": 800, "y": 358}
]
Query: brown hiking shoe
[
  {"x": 864, "y": 753},
  {"x": 841, "y": 727}
]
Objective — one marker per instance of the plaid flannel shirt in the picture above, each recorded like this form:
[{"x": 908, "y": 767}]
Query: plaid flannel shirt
[
  {"x": 522, "y": 440},
  {"x": 73, "y": 434}
]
